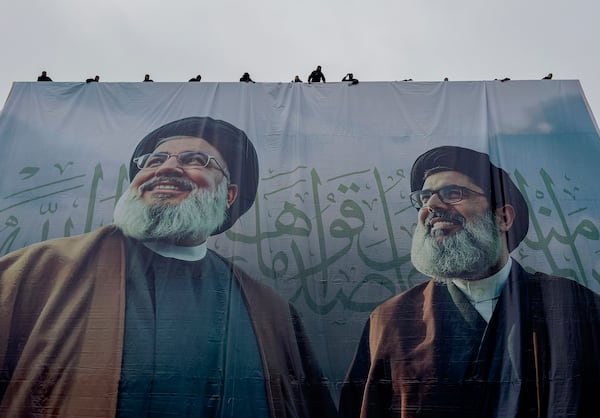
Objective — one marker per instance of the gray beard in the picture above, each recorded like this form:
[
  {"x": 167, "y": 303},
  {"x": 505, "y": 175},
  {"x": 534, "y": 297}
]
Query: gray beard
[
  {"x": 468, "y": 254},
  {"x": 192, "y": 220}
]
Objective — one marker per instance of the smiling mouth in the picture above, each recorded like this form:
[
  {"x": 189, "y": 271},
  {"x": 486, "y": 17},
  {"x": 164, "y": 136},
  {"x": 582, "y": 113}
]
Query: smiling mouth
[
  {"x": 438, "y": 224},
  {"x": 170, "y": 184},
  {"x": 442, "y": 224},
  {"x": 165, "y": 187}
]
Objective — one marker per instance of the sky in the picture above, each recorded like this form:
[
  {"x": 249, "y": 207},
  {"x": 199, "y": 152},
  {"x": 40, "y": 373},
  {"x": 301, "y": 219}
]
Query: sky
[{"x": 274, "y": 40}]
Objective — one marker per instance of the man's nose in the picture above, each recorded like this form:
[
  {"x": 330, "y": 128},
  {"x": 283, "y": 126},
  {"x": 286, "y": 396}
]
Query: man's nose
[
  {"x": 433, "y": 202},
  {"x": 170, "y": 165}
]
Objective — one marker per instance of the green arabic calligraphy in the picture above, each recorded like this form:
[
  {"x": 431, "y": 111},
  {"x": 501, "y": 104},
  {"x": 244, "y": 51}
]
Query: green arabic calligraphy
[{"x": 342, "y": 241}]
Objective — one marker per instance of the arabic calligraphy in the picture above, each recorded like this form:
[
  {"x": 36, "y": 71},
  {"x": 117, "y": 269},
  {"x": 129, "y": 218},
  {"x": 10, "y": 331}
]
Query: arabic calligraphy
[
  {"x": 324, "y": 240},
  {"x": 43, "y": 203},
  {"x": 547, "y": 204}
]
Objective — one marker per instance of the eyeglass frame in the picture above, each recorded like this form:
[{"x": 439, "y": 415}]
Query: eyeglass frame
[
  {"x": 418, "y": 203},
  {"x": 143, "y": 158}
]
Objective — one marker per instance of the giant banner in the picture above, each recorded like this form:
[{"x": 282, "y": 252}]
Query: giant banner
[{"x": 330, "y": 231}]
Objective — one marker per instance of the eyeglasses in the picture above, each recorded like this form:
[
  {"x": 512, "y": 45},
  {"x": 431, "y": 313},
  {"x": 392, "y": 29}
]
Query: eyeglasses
[
  {"x": 188, "y": 159},
  {"x": 450, "y": 195}
]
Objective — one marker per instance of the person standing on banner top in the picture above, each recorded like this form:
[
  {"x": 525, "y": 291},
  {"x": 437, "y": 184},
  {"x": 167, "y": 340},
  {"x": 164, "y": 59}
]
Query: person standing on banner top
[
  {"x": 44, "y": 77},
  {"x": 140, "y": 318},
  {"x": 245, "y": 78},
  {"x": 350, "y": 77},
  {"x": 316, "y": 76},
  {"x": 483, "y": 337}
]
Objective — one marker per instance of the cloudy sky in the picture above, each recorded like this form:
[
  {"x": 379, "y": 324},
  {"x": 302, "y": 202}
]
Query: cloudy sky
[{"x": 273, "y": 40}]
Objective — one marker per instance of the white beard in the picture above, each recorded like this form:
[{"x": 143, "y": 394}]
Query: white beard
[
  {"x": 192, "y": 220},
  {"x": 468, "y": 254}
]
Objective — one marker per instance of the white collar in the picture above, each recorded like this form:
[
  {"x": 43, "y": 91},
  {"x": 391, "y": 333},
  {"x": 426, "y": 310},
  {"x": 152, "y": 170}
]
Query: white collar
[
  {"x": 483, "y": 294},
  {"x": 478, "y": 291},
  {"x": 177, "y": 252}
]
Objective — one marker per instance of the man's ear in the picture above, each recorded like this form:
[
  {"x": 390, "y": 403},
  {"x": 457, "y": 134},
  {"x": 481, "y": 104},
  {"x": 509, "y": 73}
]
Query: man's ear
[
  {"x": 232, "y": 193},
  {"x": 505, "y": 216}
]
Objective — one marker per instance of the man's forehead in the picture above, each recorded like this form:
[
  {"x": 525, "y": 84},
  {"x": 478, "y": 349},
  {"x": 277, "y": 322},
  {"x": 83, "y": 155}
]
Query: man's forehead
[
  {"x": 192, "y": 143},
  {"x": 446, "y": 177}
]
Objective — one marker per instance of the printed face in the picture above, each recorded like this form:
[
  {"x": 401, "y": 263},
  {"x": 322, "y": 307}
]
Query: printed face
[
  {"x": 170, "y": 183},
  {"x": 441, "y": 219},
  {"x": 457, "y": 234}
]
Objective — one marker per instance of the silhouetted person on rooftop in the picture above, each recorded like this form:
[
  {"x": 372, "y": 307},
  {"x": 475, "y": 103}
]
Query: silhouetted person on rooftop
[
  {"x": 297, "y": 79},
  {"x": 246, "y": 78},
  {"x": 44, "y": 77},
  {"x": 147, "y": 78},
  {"x": 197, "y": 78},
  {"x": 350, "y": 77},
  {"x": 316, "y": 76},
  {"x": 93, "y": 80},
  {"x": 548, "y": 77}
]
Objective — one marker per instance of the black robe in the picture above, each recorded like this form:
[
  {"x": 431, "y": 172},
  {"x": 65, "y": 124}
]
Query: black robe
[{"x": 428, "y": 353}]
